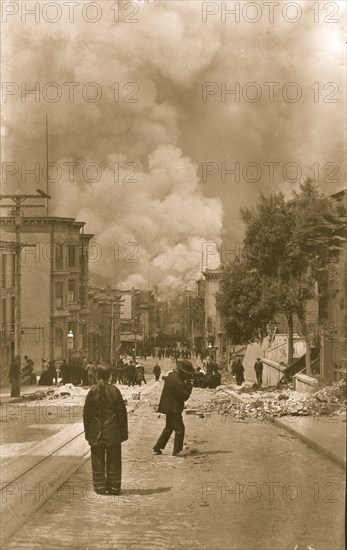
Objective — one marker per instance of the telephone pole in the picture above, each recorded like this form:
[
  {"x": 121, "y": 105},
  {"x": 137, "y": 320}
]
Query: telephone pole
[{"x": 17, "y": 207}]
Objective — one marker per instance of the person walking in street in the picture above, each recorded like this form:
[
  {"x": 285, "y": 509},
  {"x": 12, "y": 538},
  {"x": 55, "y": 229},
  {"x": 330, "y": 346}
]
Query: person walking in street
[
  {"x": 140, "y": 374},
  {"x": 65, "y": 372},
  {"x": 91, "y": 373},
  {"x": 29, "y": 368},
  {"x": 177, "y": 389},
  {"x": 258, "y": 367},
  {"x": 131, "y": 374},
  {"x": 157, "y": 372},
  {"x": 44, "y": 378},
  {"x": 239, "y": 373},
  {"x": 51, "y": 373},
  {"x": 106, "y": 428},
  {"x": 14, "y": 376}
]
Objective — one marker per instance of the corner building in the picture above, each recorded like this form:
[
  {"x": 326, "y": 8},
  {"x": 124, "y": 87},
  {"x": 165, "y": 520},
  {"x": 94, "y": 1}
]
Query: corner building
[{"x": 54, "y": 287}]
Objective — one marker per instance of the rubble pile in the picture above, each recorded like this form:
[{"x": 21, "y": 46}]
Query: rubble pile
[
  {"x": 241, "y": 412},
  {"x": 65, "y": 391},
  {"x": 334, "y": 393},
  {"x": 55, "y": 393},
  {"x": 265, "y": 403}
]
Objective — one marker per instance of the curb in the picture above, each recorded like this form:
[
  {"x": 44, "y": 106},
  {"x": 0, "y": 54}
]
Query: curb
[
  {"x": 310, "y": 443},
  {"x": 304, "y": 438}
]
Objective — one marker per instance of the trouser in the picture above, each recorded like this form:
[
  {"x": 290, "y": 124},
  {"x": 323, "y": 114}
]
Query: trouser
[
  {"x": 174, "y": 422},
  {"x": 107, "y": 468},
  {"x": 259, "y": 378},
  {"x": 239, "y": 379}
]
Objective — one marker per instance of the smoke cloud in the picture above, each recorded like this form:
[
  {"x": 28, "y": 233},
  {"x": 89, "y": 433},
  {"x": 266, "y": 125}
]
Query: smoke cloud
[{"x": 149, "y": 132}]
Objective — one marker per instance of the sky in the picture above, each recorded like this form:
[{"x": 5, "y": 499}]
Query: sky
[{"x": 167, "y": 117}]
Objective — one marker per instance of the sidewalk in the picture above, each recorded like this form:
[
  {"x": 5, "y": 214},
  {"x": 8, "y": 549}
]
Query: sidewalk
[{"x": 324, "y": 434}]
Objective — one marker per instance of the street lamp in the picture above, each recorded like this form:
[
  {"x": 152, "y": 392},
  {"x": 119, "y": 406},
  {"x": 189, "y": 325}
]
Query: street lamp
[{"x": 70, "y": 342}]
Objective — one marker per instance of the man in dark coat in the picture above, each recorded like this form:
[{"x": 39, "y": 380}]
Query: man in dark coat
[
  {"x": 29, "y": 368},
  {"x": 131, "y": 374},
  {"x": 140, "y": 375},
  {"x": 239, "y": 373},
  {"x": 157, "y": 372},
  {"x": 177, "y": 389},
  {"x": 51, "y": 373},
  {"x": 106, "y": 427},
  {"x": 65, "y": 372},
  {"x": 258, "y": 367}
]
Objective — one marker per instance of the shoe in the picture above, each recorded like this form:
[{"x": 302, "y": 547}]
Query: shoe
[{"x": 157, "y": 451}]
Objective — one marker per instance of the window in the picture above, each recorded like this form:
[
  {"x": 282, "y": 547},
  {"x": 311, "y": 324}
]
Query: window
[
  {"x": 4, "y": 313},
  {"x": 84, "y": 264},
  {"x": 58, "y": 343},
  {"x": 13, "y": 270},
  {"x": 59, "y": 256},
  {"x": 59, "y": 295},
  {"x": 3, "y": 271},
  {"x": 72, "y": 255},
  {"x": 13, "y": 312},
  {"x": 82, "y": 295},
  {"x": 71, "y": 293}
]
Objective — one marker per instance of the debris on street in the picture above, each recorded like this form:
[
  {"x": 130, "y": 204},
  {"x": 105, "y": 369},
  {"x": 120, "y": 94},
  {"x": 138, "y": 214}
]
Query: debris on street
[
  {"x": 56, "y": 392},
  {"x": 265, "y": 403}
]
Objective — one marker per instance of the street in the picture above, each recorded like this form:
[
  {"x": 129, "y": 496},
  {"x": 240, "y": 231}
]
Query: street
[{"x": 239, "y": 486}]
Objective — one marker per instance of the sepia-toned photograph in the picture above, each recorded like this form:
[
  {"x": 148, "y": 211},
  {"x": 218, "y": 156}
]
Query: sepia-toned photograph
[{"x": 173, "y": 258}]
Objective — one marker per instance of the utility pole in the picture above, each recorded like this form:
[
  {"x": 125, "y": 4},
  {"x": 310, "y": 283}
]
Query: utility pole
[
  {"x": 47, "y": 168},
  {"x": 17, "y": 207}
]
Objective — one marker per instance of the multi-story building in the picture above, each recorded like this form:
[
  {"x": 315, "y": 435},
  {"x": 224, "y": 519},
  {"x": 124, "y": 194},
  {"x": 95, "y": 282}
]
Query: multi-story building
[
  {"x": 194, "y": 319},
  {"x": 161, "y": 316},
  {"x": 143, "y": 314},
  {"x": 333, "y": 310},
  {"x": 175, "y": 324},
  {"x": 104, "y": 334},
  {"x": 54, "y": 287},
  {"x": 7, "y": 302},
  {"x": 214, "y": 329}
]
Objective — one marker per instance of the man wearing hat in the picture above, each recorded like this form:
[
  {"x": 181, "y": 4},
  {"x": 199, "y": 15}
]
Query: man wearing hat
[{"x": 177, "y": 389}]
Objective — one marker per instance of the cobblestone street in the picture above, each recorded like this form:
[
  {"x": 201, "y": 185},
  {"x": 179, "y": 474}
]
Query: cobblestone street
[{"x": 239, "y": 486}]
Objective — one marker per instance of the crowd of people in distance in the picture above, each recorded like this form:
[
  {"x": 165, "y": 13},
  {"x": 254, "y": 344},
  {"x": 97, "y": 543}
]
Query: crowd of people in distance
[
  {"x": 207, "y": 376},
  {"x": 125, "y": 371}
]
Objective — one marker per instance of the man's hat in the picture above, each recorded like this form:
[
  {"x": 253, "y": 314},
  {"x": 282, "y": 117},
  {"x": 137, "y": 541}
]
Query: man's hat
[{"x": 185, "y": 366}]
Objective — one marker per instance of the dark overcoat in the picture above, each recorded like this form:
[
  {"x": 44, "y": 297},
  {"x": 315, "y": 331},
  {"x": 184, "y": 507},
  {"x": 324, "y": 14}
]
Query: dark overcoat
[
  {"x": 175, "y": 392},
  {"x": 105, "y": 416}
]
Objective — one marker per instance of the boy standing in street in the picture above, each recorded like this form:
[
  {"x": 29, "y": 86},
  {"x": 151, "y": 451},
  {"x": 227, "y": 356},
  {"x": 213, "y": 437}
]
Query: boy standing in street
[{"x": 106, "y": 427}]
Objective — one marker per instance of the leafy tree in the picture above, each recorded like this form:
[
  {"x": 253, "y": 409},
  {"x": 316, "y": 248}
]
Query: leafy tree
[
  {"x": 240, "y": 302},
  {"x": 317, "y": 234},
  {"x": 286, "y": 247}
]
